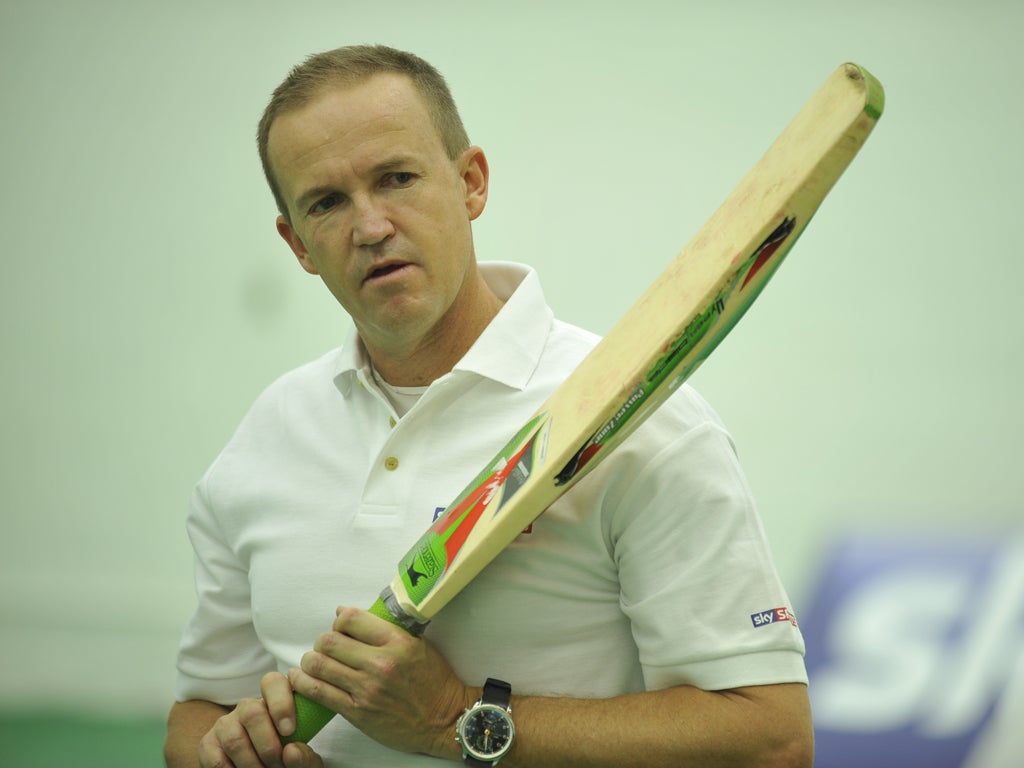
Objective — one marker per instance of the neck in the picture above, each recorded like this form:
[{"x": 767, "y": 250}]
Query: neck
[{"x": 434, "y": 354}]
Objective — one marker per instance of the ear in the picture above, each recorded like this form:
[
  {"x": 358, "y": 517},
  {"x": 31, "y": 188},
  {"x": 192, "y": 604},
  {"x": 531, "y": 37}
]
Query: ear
[
  {"x": 290, "y": 236},
  {"x": 475, "y": 175}
]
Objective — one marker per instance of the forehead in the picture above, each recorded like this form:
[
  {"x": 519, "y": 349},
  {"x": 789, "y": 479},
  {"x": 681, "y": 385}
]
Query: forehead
[{"x": 353, "y": 122}]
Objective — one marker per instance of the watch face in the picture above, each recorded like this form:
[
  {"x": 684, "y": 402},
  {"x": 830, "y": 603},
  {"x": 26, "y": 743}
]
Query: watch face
[{"x": 487, "y": 731}]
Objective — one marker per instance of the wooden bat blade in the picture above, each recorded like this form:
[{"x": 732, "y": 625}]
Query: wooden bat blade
[{"x": 648, "y": 354}]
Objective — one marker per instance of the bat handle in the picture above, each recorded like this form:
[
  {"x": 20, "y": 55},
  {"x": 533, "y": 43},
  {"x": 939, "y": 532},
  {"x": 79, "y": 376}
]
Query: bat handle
[{"x": 311, "y": 717}]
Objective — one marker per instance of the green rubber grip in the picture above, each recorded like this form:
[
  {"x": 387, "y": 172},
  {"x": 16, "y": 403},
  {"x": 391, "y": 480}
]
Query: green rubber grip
[{"x": 310, "y": 718}]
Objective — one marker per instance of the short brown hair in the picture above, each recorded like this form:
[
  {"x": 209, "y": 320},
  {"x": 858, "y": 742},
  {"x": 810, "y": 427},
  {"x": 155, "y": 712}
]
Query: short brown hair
[{"x": 352, "y": 65}]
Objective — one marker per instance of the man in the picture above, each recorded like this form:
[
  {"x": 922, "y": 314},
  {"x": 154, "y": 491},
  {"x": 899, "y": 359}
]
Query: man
[{"x": 621, "y": 618}]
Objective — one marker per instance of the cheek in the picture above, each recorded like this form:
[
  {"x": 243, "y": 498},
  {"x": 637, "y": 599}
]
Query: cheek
[
  {"x": 344, "y": 295},
  {"x": 334, "y": 275},
  {"x": 326, "y": 250}
]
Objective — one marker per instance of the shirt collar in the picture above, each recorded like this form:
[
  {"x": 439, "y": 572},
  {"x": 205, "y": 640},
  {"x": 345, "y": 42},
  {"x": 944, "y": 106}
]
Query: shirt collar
[{"x": 509, "y": 349}]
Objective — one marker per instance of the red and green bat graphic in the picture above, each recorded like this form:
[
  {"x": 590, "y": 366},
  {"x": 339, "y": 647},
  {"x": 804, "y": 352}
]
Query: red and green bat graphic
[{"x": 430, "y": 557}]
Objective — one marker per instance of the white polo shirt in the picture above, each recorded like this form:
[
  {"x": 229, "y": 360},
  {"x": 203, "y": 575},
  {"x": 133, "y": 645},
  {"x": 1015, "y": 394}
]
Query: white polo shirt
[{"x": 653, "y": 571}]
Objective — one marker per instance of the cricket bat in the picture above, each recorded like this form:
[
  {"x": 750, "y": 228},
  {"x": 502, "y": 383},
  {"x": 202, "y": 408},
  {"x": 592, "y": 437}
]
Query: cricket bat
[{"x": 653, "y": 349}]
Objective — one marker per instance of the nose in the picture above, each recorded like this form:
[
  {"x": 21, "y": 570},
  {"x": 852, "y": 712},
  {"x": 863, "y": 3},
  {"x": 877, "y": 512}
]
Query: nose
[{"x": 372, "y": 224}]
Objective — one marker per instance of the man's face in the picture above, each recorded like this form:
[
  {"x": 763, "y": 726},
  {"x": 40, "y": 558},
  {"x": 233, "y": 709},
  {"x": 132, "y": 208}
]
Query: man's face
[{"x": 377, "y": 208}]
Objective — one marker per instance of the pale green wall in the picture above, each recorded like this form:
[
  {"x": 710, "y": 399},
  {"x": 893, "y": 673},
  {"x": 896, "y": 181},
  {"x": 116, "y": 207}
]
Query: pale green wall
[{"x": 147, "y": 299}]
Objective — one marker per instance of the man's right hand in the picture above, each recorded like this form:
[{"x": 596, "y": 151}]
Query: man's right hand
[{"x": 245, "y": 737}]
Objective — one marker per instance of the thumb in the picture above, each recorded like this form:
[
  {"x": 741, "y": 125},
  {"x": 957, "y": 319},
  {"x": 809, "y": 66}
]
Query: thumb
[{"x": 299, "y": 755}]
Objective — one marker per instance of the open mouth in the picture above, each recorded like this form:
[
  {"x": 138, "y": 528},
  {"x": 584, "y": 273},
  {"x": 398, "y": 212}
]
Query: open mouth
[{"x": 385, "y": 269}]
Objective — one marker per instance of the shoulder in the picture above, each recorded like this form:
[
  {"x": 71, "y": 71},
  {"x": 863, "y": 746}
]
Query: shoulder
[
  {"x": 288, "y": 405},
  {"x": 688, "y": 435},
  {"x": 681, "y": 454},
  {"x": 685, "y": 410},
  {"x": 568, "y": 343},
  {"x": 301, "y": 387}
]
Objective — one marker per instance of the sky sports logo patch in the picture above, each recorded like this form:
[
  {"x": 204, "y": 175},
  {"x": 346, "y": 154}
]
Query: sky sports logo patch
[{"x": 773, "y": 616}]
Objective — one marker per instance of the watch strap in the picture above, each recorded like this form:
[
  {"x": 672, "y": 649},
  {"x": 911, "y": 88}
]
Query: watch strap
[{"x": 497, "y": 692}]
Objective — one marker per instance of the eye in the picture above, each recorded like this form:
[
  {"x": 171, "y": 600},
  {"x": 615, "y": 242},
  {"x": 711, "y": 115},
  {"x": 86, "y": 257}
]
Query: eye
[
  {"x": 399, "y": 179},
  {"x": 324, "y": 204}
]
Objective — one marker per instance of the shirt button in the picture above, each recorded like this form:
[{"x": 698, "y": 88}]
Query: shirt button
[{"x": 390, "y": 463}]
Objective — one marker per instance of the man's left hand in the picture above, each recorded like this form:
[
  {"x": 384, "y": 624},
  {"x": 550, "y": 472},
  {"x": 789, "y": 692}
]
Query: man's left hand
[{"x": 394, "y": 687}]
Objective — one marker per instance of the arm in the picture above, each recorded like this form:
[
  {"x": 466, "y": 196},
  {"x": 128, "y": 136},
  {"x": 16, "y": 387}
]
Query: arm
[
  {"x": 187, "y": 723},
  {"x": 767, "y": 726},
  {"x": 400, "y": 691}
]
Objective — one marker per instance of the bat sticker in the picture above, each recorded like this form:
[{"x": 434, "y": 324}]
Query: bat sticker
[
  {"x": 684, "y": 344},
  {"x": 429, "y": 559},
  {"x": 768, "y": 248}
]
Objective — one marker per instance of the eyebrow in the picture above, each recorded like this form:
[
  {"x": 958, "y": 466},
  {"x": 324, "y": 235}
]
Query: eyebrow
[{"x": 398, "y": 161}]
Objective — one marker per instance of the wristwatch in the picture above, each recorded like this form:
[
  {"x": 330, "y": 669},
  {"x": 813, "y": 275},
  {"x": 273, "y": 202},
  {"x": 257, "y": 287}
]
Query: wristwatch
[{"x": 485, "y": 731}]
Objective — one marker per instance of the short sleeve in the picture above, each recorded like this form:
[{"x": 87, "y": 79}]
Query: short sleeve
[
  {"x": 695, "y": 568},
  {"x": 220, "y": 658}
]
